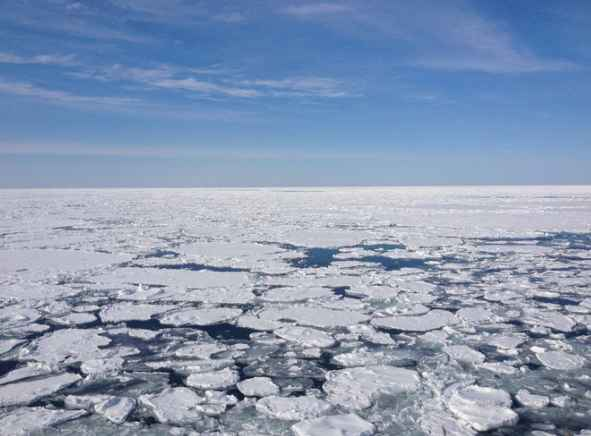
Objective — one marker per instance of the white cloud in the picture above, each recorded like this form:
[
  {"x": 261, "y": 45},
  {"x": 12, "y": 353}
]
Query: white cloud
[
  {"x": 44, "y": 59},
  {"x": 191, "y": 84},
  {"x": 302, "y": 86},
  {"x": 57, "y": 96},
  {"x": 183, "y": 79},
  {"x": 448, "y": 35},
  {"x": 117, "y": 104}
]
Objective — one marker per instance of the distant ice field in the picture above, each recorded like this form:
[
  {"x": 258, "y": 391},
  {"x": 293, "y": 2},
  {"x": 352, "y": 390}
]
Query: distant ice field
[{"x": 301, "y": 311}]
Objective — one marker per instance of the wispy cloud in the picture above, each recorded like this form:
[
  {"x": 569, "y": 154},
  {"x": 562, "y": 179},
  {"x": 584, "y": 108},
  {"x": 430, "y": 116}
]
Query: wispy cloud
[
  {"x": 512, "y": 64},
  {"x": 191, "y": 84},
  {"x": 316, "y": 9},
  {"x": 118, "y": 104},
  {"x": 219, "y": 82},
  {"x": 303, "y": 86},
  {"x": 448, "y": 36},
  {"x": 58, "y": 96},
  {"x": 44, "y": 59}
]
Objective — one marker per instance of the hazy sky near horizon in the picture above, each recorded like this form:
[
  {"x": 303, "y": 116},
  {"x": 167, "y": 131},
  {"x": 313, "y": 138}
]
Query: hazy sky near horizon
[{"x": 284, "y": 92}]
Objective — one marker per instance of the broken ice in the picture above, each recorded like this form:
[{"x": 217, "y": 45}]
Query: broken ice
[{"x": 345, "y": 312}]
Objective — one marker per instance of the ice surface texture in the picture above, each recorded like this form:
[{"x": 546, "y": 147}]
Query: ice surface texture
[{"x": 330, "y": 312}]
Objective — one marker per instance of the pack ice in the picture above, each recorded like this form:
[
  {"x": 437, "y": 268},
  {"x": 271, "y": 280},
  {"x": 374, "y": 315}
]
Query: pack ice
[{"x": 333, "y": 312}]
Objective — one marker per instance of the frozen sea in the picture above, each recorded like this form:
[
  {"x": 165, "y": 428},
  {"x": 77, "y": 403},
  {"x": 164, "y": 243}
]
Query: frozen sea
[{"x": 324, "y": 312}]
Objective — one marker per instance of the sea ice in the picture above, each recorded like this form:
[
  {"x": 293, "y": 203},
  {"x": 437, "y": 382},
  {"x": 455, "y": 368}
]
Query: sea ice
[
  {"x": 306, "y": 336},
  {"x": 527, "y": 399},
  {"x": 464, "y": 354},
  {"x": 119, "y": 312},
  {"x": 115, "y": 409},
  {"x": 314, "y": 316},
  {"x": 483, "y": 408},
  {"x": 433, "y": 320},
  {"x": 560, "y": 360},
  {"x": 200, "y": 317},
  {"x": 334, "y": 425},
  {"x": 258, "y": 387},
  {"x": 68, "y": 346},
  {"x": 175, "y": 406},
  {"x": 221, "y": 379},
  {"x": 27, "y": 420},
  {"x": 355, "y": 388},
  {"x": 26, "y": 392},
  {"x": 292, "y": 408}
]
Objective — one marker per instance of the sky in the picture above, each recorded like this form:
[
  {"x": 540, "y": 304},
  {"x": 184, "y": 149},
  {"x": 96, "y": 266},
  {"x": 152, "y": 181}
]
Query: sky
[{"x": 183, "y": 93}]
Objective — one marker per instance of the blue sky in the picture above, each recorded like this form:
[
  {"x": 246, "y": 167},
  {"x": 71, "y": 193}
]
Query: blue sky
[{"x": 273, "y": 92}]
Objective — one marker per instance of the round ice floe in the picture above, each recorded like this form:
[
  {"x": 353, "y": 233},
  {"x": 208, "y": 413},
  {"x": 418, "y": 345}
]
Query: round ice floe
[
  {"x": 464, "y": 354},
  {"x": 560, "y": 360},
  {"x": 527, "y": 399},
  {"x": 335, "y": 425},
  {"x": 119, "y": 312},
  {"x": 292, "y": 408},
  {"x": 483, "y": 408},
  {"x": 221, "y": 379},
  {"x": 200, "y": 317},
  {"x": 306, "y": 336},
  {"x": 433, "y": 320},
  {"x": 258, "y": 387},
  {"x": 314, "y": 316},
  {"x": 355, "y": 388}
]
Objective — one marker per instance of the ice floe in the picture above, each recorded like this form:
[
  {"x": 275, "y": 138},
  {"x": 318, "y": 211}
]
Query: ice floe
[
  {"x": 221, "y": 379},
  {"x": 433, "y": 320},
  {"x": 560, "y": 360},
  {"x": 355, "y": 388},
  {"x": 119, "y": 312},
  {"x": 440, "y": 311},
  {"x": 292, "y": 408},
  {"x": 306, "y": 336},
  {"x": 483, "y": 408},
  {"x": 25, "y": 421},
  {"x": 334, "y": 425},
  {"x": 258, "y": 387},
  {"x": 26, "y": 392},
  {"x": 201, "y": 317},
  {"x": 314, "y": 316}
]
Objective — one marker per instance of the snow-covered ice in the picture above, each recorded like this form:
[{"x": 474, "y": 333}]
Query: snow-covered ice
[
  {"x": 333, "y": 312},
  {"x": 483, "y": 408},
  {"x": 335, "y": 425}
]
